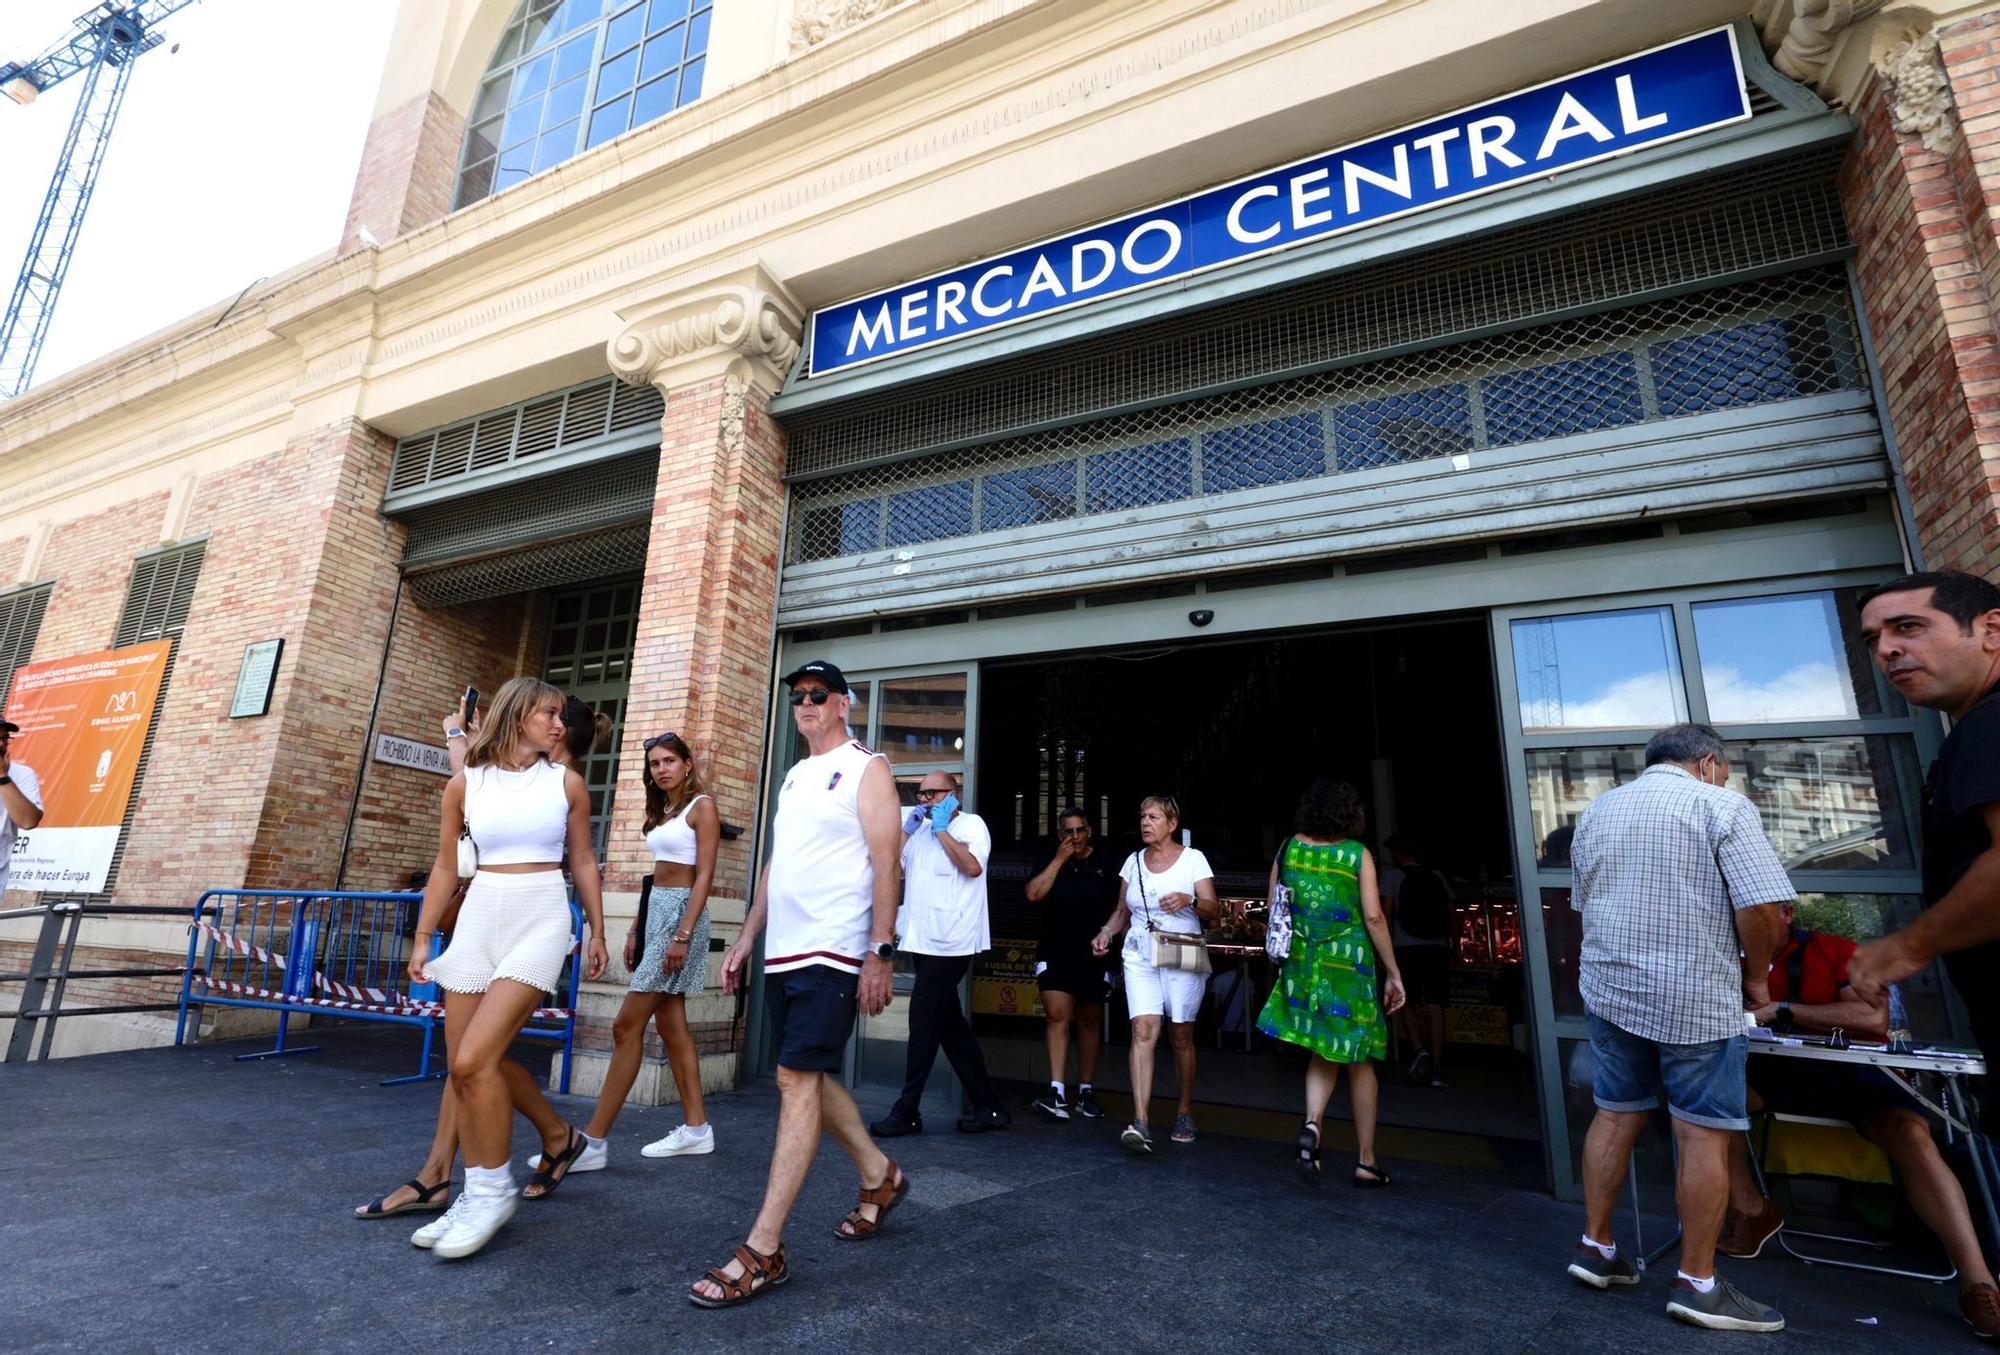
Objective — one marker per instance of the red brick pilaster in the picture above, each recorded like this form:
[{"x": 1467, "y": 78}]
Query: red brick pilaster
[
  {"x": 1928, "y": 260},
  {"x": 409, "y": 166}
]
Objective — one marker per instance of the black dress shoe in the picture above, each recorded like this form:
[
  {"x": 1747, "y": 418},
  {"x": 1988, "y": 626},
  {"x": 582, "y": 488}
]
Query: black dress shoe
[
  {"x": 982, "y": 1120},
  {"x": 894, "y": 1126}
]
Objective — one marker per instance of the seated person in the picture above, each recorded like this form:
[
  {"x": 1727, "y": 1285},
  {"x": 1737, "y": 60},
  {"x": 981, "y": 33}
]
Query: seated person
[{"x": 1810, "y": 995}]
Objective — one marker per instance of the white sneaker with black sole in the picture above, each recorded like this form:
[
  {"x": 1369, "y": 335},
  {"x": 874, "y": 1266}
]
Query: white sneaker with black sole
[
  {"x": 686, "y": 1141},
  {"x": 479, "y": 1218}
]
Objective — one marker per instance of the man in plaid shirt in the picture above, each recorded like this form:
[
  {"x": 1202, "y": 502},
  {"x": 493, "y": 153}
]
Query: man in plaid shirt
[{"x": 1679, "y": 891}]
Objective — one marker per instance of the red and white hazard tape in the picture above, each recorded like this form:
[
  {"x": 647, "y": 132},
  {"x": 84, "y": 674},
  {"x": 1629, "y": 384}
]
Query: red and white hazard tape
[{"x": 408, "y": 1008}]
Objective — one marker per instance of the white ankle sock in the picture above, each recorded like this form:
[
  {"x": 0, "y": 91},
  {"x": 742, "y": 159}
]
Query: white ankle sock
[
  {"x": 1700, "y": 1286},
  {"x": 596, "y": 1143},
  {"x": 1057, "y": 1087},
  {"x": 490, "y": 1180},
  {"x": 1607, "y": 1250},
  {"x": 699, "y": 1130},
  {"x": 1082, "y": 1087}
]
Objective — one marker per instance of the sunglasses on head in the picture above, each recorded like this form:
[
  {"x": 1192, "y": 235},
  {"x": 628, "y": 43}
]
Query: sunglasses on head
[
  {"x": 658, "y": 739},
  {"x": 819, "y": 696}
]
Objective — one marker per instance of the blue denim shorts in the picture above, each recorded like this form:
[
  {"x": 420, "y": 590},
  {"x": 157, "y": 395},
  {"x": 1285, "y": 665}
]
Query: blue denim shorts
[{"x": 1704, "y": 1082}]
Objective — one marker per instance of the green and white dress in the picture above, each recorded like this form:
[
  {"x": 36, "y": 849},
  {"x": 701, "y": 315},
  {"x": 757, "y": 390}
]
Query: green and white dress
[{"x": 1325, "y": 999}]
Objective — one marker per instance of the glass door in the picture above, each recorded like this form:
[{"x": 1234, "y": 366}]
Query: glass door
[
  {"x": 591, "y": 635},
  {"x": 1820, "y": 743}
]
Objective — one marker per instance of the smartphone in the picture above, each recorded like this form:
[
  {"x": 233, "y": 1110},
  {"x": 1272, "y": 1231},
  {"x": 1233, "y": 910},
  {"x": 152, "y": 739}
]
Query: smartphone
[{"x": 471, "y": 704}]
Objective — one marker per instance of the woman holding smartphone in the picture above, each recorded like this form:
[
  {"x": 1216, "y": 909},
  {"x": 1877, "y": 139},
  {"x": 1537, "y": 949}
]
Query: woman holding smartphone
[{"x": 523, "y": 813}]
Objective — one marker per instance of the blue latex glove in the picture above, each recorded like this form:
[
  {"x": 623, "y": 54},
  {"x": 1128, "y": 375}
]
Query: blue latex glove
[
  {"x": 942, "y": 810},
  {"x": 913, "y": 820}
]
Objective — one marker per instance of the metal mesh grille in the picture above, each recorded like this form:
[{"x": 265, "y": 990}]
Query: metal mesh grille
[
  {"x": 514, "y": 516},
  {"x": 1729, "y": 226},
  {"x": 618, "y": 550},
  {"x": 1777, "y": 338},
  {"x": 566, "y": 421}
]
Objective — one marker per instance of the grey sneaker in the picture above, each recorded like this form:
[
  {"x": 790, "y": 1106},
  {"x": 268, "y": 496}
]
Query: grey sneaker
[
  {"x": 1723, "y": 1308},
  {"x": 1183, "y": 1129},
  {"x": 1590, "y": 1267},
  {"x": 1137, "y": 1138}
]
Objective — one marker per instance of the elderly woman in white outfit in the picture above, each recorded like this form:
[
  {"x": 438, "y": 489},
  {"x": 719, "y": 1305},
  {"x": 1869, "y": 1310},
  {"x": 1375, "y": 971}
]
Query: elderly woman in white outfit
[
  {"x": 523, "y": 813},
  {"x": 1164, "y": 887}
]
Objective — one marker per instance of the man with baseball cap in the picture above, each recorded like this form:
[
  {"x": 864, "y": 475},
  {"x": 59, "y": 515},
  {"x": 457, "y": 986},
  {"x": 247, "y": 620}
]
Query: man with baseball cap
[
  {"x": 826, "y": 906},
  {"x": 20, "y": 794}
]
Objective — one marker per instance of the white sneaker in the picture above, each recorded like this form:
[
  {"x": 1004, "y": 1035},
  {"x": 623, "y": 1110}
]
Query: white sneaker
[
  {"x": 595, "y": 1157},
  {"x": 687, "y": 1141},
  {"x": 431, "y": 1233},
  {"x": 480, "y": 1218}
]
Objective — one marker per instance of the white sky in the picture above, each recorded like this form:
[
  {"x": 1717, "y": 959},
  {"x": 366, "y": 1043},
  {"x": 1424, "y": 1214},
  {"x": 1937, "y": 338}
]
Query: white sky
[{"x": 233, "y": 159}]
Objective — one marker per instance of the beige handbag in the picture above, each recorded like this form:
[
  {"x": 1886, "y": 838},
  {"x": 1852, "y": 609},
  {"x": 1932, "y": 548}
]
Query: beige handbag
[{"x": 1186, "y": 951}]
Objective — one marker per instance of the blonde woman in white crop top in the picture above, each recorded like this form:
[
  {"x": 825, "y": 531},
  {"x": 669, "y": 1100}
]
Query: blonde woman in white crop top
[{"x": 512, "y": 937}]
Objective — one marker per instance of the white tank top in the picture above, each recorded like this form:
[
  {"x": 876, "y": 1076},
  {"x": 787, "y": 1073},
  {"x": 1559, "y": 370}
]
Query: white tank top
[
  {"x": 674, "y": 839},
  {"x": 822, "y": 883},
  {"x": 517, "y": 818}
]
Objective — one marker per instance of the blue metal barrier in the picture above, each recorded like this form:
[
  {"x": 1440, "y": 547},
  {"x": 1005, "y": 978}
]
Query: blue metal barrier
[{"x": 340, "y": 954}]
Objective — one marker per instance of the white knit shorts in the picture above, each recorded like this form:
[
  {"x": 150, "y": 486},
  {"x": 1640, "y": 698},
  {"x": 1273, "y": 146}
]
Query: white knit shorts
[
  {"x": 509, "y": 927},
  {"x": 1172, "y": 993}
]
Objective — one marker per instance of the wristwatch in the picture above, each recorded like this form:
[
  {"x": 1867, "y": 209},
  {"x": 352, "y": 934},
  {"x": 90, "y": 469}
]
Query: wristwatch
[
  {"x": 883, "y": 950},
  {"x": 454, "y": 734},
  {"x": 1781, "y": 1021}
]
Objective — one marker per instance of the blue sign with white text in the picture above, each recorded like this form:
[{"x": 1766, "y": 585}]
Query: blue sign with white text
[{"x": 1670, "y": 92}]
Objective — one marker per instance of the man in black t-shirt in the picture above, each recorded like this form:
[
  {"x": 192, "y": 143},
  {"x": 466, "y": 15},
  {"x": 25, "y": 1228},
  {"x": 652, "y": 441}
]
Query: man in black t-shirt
[
  {"x": 1077, "y": 887},
  {"x": 1937, "y": 637}
]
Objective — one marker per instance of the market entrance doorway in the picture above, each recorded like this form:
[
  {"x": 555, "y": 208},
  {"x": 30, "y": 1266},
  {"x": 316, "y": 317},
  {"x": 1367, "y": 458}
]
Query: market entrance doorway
[{"x": 1235, "y": 730}]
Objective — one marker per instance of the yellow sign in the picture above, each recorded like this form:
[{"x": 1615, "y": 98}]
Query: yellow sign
[{"x": 1003, "y": 981}]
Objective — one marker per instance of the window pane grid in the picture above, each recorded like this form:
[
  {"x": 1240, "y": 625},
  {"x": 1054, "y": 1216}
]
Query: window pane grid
[{"x": 570, "y": 74}]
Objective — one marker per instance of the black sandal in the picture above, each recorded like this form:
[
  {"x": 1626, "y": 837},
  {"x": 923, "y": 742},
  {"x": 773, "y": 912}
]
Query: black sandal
[
  {"x": 1308, "y": 1158},
  {"x": 1375, "y": 1180},
  {"x": 427, "y": 1200},
  {"x": 555, "y": 1170}
]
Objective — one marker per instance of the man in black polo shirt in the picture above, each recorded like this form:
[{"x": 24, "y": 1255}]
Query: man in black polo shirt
[
  {"x": 1077, "y": 886},
  {"x": 1937, "y": 637}
]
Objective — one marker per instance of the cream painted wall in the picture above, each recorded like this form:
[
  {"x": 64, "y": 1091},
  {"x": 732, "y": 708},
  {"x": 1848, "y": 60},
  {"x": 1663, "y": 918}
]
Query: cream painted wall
[{"x": 934, "y": 132}]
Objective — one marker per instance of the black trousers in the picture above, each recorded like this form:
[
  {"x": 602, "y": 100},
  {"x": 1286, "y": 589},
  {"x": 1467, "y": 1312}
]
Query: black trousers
[{"x": 938, "y": 1021}]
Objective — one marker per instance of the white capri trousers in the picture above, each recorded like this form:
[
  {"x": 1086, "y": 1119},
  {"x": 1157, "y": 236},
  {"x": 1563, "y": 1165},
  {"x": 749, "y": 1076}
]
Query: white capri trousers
[
  {"x": 1172, "y": 993},
  {"x": 509, "y": 927}
]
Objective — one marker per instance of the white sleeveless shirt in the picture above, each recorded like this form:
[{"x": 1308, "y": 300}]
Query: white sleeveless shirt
[
  {"x": 517, "y": 818},
  {"x": 674, "y": 840},
  {"x": 822, "y": 883}
]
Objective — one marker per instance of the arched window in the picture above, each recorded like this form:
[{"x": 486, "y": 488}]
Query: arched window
[{"x": 569, "y": 74}]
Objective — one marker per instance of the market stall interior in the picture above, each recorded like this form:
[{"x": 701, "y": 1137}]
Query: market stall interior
[{"x": 1235, "y": 730}]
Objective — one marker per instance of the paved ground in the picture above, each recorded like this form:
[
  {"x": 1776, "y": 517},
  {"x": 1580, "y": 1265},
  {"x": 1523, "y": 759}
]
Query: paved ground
[{"x": 174, "y": 1200}]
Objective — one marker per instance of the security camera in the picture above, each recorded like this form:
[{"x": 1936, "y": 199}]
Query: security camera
[{"x": 1200, "y": 617}]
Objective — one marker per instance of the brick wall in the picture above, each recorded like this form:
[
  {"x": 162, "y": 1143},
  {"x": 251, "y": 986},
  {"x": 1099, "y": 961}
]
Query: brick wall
[
  {"x": 702, "y": 660},
  {"x": 436, "y": 652},
  {"x": 1928, "y": 261},
  {"x": 409, "y": 166}
]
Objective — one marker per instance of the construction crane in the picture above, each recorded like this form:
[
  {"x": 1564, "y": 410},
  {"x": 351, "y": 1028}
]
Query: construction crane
[{"x": 110, "y": 38}]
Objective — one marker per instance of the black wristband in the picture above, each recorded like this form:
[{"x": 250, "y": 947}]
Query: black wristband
[{"x": 6, "y": 780}]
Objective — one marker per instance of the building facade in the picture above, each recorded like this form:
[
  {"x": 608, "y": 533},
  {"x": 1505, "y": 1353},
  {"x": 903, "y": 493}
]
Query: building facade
[{"x": 1457, "y": 501}]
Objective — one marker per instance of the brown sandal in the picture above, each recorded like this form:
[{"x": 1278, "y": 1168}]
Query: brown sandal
[
  {"x": 855, "y": 1228},
  {"x": 760, "y": 1272}
]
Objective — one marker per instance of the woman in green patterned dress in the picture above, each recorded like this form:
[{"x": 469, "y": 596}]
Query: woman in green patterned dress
[{"x": 1325, "y": 998}]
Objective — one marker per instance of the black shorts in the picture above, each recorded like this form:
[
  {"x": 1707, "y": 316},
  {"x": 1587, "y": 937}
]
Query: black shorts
[
  {"x": 1800, "y": 1087},
  {"x": 812, "y": 1015},
  {"x": 1426, "y": 976},
  {"x": 1082, "y": 975}
]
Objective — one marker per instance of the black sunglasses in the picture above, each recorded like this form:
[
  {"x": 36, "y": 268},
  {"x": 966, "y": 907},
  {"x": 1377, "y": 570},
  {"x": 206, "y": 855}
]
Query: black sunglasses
[
  {"x": 819, "y": 696},
  {"x": 1072, "y": 832},
  {"x": 659, "y": 739}
]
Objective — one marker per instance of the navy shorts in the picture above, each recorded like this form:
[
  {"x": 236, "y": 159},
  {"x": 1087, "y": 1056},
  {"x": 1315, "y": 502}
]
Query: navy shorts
[
  {"x": 1703, "y": 1082},
  {"x": 812, "y": 1015}
]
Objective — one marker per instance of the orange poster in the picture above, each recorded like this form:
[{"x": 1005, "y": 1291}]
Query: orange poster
[{"x": 83, "y": 723}]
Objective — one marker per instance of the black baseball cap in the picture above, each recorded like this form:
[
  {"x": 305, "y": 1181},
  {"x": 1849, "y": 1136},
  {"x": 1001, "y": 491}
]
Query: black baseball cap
[{"x": 834, "y": 679}]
